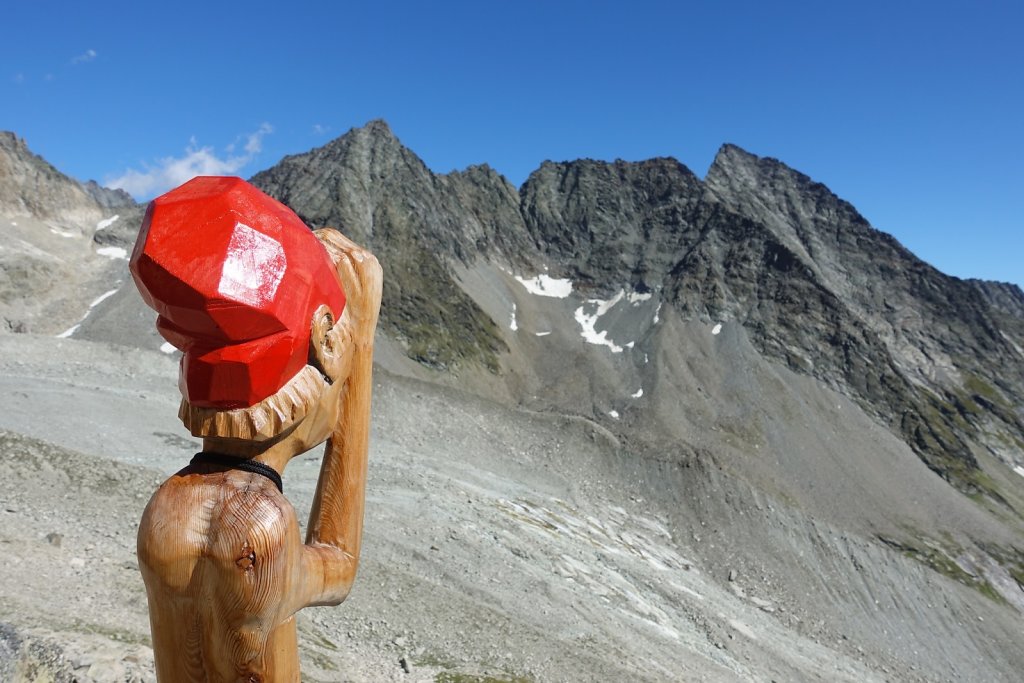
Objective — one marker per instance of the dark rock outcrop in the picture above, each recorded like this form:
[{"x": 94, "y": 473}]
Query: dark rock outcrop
[
  {"x": 367, "y": 184},
  {"x": 617, "y": 222},
  {"x": 108, "y": 198},
  {"x": 938, "y": 360},
  {"x": 816, "y": 287}
]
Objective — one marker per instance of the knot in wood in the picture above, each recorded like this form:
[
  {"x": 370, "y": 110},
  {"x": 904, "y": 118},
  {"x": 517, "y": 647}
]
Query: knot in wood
[{"x": 247, "y": 560}]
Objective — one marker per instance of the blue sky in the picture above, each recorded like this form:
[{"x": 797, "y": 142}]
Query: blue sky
[{"x": 912, "y": 111}]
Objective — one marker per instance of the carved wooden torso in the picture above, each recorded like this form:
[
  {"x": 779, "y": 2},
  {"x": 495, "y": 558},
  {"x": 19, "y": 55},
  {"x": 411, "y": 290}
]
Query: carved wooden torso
[{"x": 222, "y": 555}]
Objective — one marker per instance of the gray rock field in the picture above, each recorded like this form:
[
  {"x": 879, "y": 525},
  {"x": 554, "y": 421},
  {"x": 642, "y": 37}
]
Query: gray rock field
[{"x": 629, "y": 425}]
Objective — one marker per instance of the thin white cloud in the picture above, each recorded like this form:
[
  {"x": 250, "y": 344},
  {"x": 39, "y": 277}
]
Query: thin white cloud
[
  {"x": 254, "y": 142},
  {"x": 19, "y": 78},
  {"x": 170, "y": 172},
  {"x": 86, "y": 56},
  {"x": 319, "y": 129}
]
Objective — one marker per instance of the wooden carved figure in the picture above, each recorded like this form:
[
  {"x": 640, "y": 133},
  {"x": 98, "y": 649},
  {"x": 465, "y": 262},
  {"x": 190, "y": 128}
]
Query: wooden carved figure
[{"x": 276, "y": 327}]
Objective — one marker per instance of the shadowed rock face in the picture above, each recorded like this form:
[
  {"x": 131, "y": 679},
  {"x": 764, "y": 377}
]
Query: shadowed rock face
[
  {"x": 618, "y": 222},
  {"x": 848, "y": 304},
  {"x": 817, "y": 288},
  {"x": 53, "y": 227},
  {"x": 377, "y": 191}
]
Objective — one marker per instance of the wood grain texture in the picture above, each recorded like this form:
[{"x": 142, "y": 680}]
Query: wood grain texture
[{"x": 220, "y": 549}]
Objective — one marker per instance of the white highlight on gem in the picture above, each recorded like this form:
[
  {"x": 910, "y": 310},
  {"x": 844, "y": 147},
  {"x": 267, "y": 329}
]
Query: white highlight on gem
[
  {"x": 545, "y": 285},
  {"x": 106, "y": 223},
  {"x": 514, "y": 326},
  {"x": 253, "y": 268},
  {"x": 639, "y": 393},
  {"x": 113, "y": 252},
  {"x": 716, "y": 329},
  {"x": 167, "y": 347}
]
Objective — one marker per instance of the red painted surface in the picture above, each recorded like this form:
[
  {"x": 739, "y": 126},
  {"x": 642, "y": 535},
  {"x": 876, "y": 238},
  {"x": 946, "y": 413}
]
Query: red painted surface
[{"x": 235, "y": 277}]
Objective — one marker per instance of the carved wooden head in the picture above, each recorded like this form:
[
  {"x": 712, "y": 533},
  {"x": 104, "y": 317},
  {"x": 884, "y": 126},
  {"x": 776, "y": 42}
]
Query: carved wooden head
[{"x": 236, "y": 278}]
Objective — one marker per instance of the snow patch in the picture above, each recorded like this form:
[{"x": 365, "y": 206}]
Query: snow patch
[
  {"x": 716, "y": 329},
  {"x": 14, "y": 223},
  {"x": 545, "y": 285},
  {"x": 542, "y": 334},
  {"x": 63, "y": 233},
  {"x": 636, "y": 297},
  {"x": 614, "y": 413},
  {"x": 95, "y": 302},
  {"x": 113, "y": 252},
  {"x": 1019, "y": 470},
  {"x": 106, "y": 223},
  {"x": 102, "y": 297},
  {"x": 639, "y": 392},
  {"x": 657, "y": 311},
  {"x": 513, "y": 325},
  {"x": 168, "y": 347},
  {"x": 588, "y": 322}
]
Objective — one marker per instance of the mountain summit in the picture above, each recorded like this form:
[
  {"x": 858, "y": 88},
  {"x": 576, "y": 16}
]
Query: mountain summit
[
  {"x": 813, "y": 286},
  {"x": 722, "y": 426}
]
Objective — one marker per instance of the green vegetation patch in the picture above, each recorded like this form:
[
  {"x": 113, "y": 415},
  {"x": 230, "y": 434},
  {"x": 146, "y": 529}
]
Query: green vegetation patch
[
  {"x": 440, "y": 326},
  {"x": 979, "y": 387},
  {"x": 451, "y": 675},
  {"x": 940, "y": 560}
]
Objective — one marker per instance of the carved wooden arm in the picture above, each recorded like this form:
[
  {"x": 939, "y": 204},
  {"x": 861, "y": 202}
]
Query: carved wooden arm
[{"x": 336, "y": 518}]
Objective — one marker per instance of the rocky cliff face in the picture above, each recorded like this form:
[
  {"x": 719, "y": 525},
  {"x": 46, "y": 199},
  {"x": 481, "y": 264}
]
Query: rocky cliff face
[
  {"x": 30, "y": 186},
  {"x": 848, "y": 304},
  {"x": 756, "y": 243},
  {"x": 739, "y": 366},
  {"x": 377, "y": 191},
  {"x": 56, "y": 228}
]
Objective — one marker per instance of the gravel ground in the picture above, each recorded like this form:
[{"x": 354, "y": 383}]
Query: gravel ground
[{"x": 500, "y": 544}]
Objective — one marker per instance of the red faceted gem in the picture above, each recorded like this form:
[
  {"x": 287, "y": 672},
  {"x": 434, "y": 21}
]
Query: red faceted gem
[{"x": 235, "y": 277}]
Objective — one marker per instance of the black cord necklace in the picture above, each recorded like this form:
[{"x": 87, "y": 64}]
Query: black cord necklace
[{"x": 253, "y": 466}]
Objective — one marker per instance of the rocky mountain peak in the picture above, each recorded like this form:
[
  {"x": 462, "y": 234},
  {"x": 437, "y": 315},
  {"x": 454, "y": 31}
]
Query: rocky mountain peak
[
  {"x": 611, "y": 221},
  {"x": 744, "y": 355},
  {"x": 30, "y": 186},
  {"x": 108, "y": 198},
  {"x": 418, "y": 223},
  {"x": 10, "y": 142},
  {"x": 372, "y": 148}
]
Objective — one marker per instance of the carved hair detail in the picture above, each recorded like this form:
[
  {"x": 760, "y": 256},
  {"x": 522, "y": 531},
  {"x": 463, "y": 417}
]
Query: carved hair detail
[
  {"x": 331, "y": 239},
  {"x": 265, "y": 420}
]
